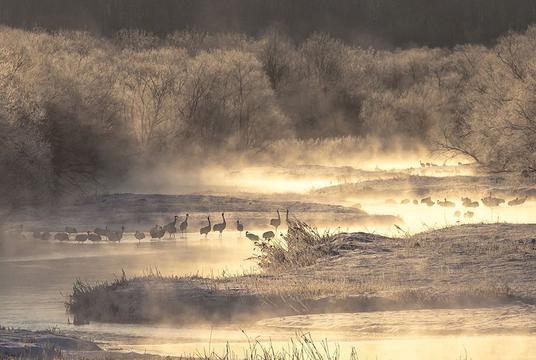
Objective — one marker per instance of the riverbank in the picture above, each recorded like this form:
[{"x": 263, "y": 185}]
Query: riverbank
[
  {"x": 20, "y": 344},
  {"x": 464, "y": 266},
  {"x": 54, "y": 345}
]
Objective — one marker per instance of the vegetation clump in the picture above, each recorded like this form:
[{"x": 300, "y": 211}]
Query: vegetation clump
[{"x": 301, "y": 246}]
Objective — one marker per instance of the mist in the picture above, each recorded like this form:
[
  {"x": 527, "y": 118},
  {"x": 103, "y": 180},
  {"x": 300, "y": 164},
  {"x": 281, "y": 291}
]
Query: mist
[
  {"x": 83, "y": 114},
  {"x": 174, "y": 173}
]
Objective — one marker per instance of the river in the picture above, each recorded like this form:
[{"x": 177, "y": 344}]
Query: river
[{"x": 36, "y": 276}]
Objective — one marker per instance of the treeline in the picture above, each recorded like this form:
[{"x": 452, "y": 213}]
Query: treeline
[
  {"x": 79, "y": 111},
  {"x": 380, "y": 22}
]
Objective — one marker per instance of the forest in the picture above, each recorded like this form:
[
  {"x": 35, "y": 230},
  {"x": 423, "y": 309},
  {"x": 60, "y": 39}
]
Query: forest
[{"x": 79, "y": 110}]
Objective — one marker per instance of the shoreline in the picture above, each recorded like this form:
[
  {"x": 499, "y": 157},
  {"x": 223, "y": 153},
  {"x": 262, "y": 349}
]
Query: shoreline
[
  {"x": 279, "y": 348},
  {"x": 354, "y": 272}
]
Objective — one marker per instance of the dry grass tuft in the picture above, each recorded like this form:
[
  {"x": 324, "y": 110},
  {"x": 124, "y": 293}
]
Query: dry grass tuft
[
  {"x": 300, "y": 347},
  {"x": 301, "y": 246}
]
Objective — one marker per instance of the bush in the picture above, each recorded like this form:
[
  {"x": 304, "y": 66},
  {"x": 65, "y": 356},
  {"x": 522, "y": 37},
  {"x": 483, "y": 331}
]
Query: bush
[{"x": 301, "y": 246}]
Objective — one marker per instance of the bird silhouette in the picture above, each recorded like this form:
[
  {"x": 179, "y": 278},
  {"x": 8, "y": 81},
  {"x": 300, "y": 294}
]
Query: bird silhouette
[
  {"x": 161, "y": 232},
  {"x": 139, "y": 235},
  {"x": 154, "y": 232},
  {"x": 277, "y": 221},
  {"x": 491, "y": 201},
  {"x": 61, "y": 236},
  {"x": 251, "y": 236},
  {"x": 268, "y": 235},
  {"x": 81, "y": 237},
  {"x": 171, "y": 228},
  {"x": 221, "y": 226},
  {"x": 70, "y": 230},
  {"x": 184, "y": 225},
  {"x": 93, "y": 236},
  {"x": 115, "y": 236},
  {"x": 467, "y": 202},
  {"x": 428, "y": 201},
  {"x": 206, "y": 229},
  {"x": 239, "y": 227},
  {"x": 100, "y": 231},
  {"x": 446, "y": 203},
  {"x": 517, "y": 201}
]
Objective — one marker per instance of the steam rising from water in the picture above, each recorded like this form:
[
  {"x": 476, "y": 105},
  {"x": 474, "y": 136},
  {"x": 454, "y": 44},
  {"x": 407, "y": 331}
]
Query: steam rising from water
[
  {"x": 41, "y": 264},
  {"x": 290, "y": 166}
]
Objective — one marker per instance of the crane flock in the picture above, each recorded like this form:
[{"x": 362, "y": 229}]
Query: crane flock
[
  {"x": 158, "y": 232},
  {"x": 466, "y": 202},
  {"x": 70, "y": 232}
]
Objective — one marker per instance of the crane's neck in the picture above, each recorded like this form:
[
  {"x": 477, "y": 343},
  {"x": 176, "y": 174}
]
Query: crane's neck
[
  {"x": 223, "y": 217},
  {"x": 278, "y": 215}
]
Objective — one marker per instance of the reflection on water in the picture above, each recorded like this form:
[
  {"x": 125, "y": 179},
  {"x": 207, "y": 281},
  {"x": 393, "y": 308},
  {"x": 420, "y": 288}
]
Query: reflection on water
[{"x": 35, "y": 280}]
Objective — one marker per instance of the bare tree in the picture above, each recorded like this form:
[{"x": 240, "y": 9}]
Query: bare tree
[
  {"x": 275, "y": 54},
  {"x": 147, "y": 87}
]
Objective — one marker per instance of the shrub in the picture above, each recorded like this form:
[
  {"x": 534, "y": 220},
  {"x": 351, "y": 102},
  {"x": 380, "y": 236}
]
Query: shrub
[{"x": 301, "y": 246}]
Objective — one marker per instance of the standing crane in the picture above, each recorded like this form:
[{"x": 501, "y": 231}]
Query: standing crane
[
  {"x": 171, "y": 228},
  {"x": 239, "y": 227},
  {"x": 221, "y": 226},
  {"x": 277, "y": 221},
  {"x": 206, "y": 229},
  {"x": 184, "y": 225}
]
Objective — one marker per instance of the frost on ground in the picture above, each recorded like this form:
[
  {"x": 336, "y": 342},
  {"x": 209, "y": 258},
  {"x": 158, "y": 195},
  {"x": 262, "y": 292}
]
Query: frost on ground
[
  {"x": 43, "y": 344},
  {"x": 53, "y": 345},
  {"x": 464, "y": 266}
]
